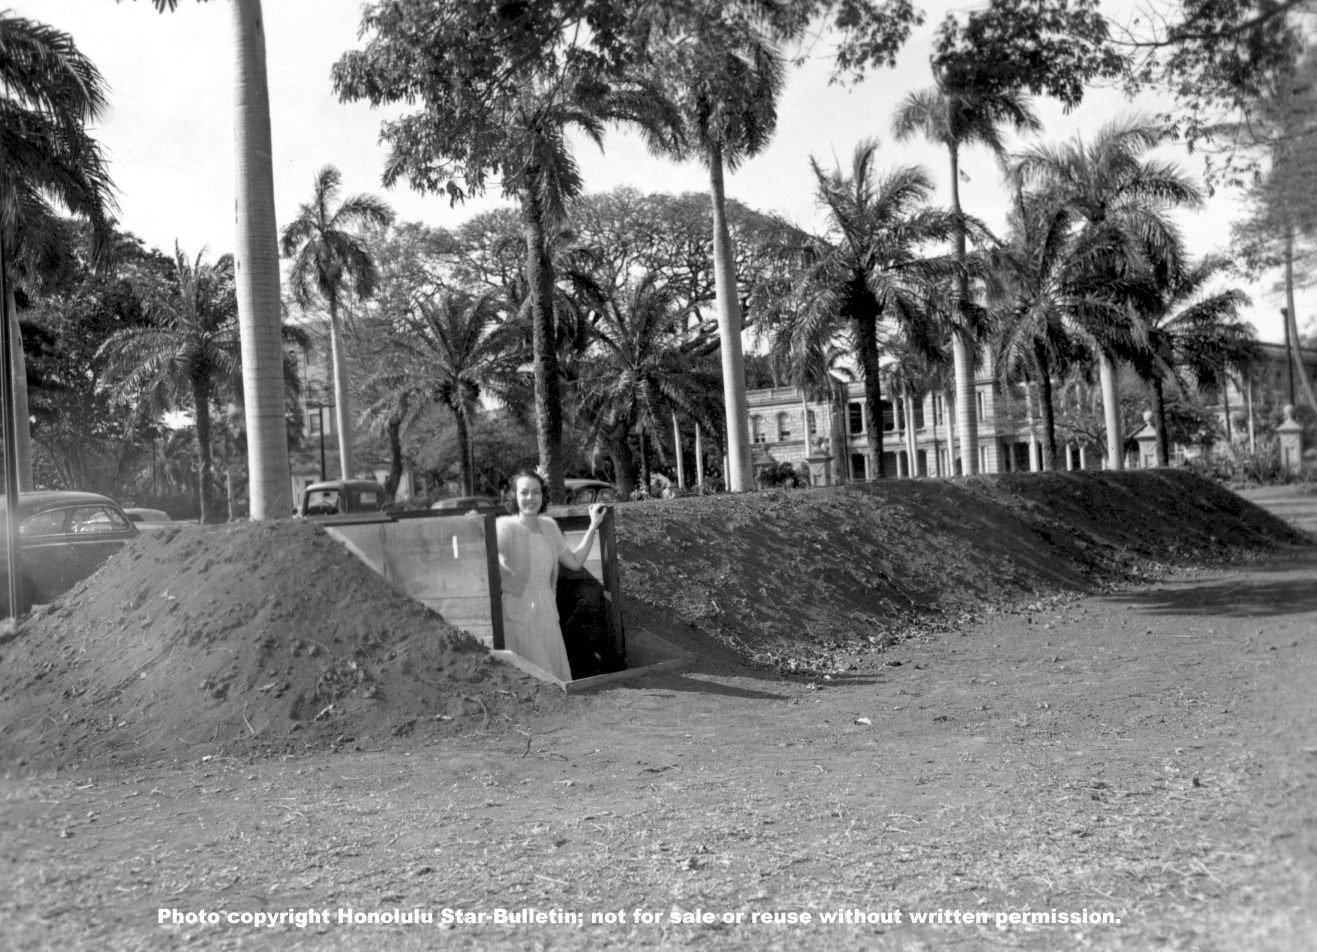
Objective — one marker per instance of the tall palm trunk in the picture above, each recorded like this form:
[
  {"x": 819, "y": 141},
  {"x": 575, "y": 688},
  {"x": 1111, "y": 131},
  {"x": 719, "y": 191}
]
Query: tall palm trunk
[
  {"x": 866, "y": 342},
  {"x": 949, "y": 414},
  {"x": 1297, "y": 369},
  {"x": 1111, "y": 411},
  {"x": 342, "y": 409},
  {"x": 739, "y": 476},
  {"x": 548, "y": 399},
  {"x": 1163, "y": 447},
  {"x": 466, "y": 463},
  {"x": 624, "y": 463},
  {"x": 201, "y": 403},
  {"x": 394, "y": 477},
  {"x": 962, "y": 352},
  {"x": 1045, "y": 408},
  {"x": 644, "y": 461},
  {"x": 22, "y": 415},
  {"x": 911, "y": 443},
  {"x": 257, "y": 273}
]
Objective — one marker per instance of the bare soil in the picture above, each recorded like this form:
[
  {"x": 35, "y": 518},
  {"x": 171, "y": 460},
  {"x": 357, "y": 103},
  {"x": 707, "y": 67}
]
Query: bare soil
[{"x": 993, "y": 696}]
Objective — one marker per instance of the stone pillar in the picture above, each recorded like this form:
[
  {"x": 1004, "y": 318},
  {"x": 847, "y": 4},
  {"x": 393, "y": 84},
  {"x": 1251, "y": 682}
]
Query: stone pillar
[
  {"x": 1147, "y": 440},
  {"x": 820, "y": 464},
  {"x": 1291, "y": 441}
]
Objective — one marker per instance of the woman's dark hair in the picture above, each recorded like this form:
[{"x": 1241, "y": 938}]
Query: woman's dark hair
[{"x": 544, "y": 491}]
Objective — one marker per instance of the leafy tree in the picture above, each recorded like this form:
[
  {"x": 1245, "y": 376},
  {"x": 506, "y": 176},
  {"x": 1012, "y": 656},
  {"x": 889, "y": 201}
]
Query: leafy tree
[
  {"x": 1122, "y": 200},
  {"x": 448, "y": 349},
  {"x": 870, "y": 272},
  {"x": 47, "y": 160},
  {"x": 331, "y": 260},
  {"x": 958, "y": 113},
  {"x": 500, "y": 92},
  {"x": 187, "y": 356},
  {"x": 1190, "y": 333},
  {"x": 639, "y": 370}
]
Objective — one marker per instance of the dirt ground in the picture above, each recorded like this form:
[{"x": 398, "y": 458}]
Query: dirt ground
[{"x": 1007, "y": 722}]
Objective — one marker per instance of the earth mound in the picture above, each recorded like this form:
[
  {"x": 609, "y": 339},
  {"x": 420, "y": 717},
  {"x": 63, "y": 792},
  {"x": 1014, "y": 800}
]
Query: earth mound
[
  {"x": 273, "y": 638},
  {"x": 268, "y": 636},
  {"x": 825, "y": 579}
]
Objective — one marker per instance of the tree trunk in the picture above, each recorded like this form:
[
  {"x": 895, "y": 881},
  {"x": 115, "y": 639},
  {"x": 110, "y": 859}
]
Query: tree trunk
[
  {"x": 342, "y": 410},
  {"x": 644, "y": 461},
  {"x": 866, "y": 341},
  {"x": 394, "y": 477},
  {"x": 22, "y": 414},
  {"x": 624, "y": 463},
  {"x": 739, "y": 477},
  {"x": 1162, "y": 445},
  {"x": 911, "y": 443},
  {"x": 1045, "y": 409},
  {"x": 962, "y": 350},
  {"x": 201, "y": 406},
  {"x": 257, "y": 273},
  {"x": 699, "y": 458},
  {"x": 949, "y": 415},
  {"x": 676, "y": 443},
  {"x": 1297, "y": 369},
  {"x": 548, "y": 397},
  {"x": 465, "y": 462},
  {"x": 1111, "y": 411}
]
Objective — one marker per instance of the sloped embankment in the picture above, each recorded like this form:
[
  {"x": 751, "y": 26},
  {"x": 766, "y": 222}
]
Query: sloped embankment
[
  {"x": 808, "y": 579},
  {"x": 272, "y": 636}
]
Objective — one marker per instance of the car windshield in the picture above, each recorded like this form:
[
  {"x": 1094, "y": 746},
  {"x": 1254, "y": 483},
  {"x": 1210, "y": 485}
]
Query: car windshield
[
  {"x": 96, "y": 519},
  {"x": 322, "y": 502}
]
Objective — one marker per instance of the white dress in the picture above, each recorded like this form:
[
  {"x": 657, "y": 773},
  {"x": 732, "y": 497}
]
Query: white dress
[{"x": 530, "y": 621}]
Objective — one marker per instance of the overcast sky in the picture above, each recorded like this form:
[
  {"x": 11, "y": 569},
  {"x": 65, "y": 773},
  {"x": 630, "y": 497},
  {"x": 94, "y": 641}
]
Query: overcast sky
[{"x": 169, "y": 138}]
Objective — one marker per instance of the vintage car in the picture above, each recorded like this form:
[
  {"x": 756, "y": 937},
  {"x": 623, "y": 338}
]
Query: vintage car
[
  {"x": 149, "y": 520},
  {"x": 63, "y": 538},
  {"x": 342, "y": 497},
  {"x": 582, "y": 492},
  {"x": 478, "y": 504}
]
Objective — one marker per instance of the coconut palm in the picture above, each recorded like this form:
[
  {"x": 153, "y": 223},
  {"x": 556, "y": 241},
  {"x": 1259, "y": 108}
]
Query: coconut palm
[
  {"x": 188, "y": 356},
  {"x": 257, "y": 268},
  {"x": 640, "y": 368},
  {"x": 47, "y": 160},
  {"x": 957, "y": 118},
  {"x": 1188, "y": 332},
  {"x": 332, "y": 261},
  {"x": 869, "y": 275},
  {"x": 1116, "y": 190},
  {"x": 451, "y": 349}
]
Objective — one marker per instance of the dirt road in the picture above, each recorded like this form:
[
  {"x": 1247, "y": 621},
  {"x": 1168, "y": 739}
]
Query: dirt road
[{"x": 1149, "y": 757}]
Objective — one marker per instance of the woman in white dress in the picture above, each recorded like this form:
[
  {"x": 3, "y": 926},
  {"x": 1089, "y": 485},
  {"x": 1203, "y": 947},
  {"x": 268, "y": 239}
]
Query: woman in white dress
[{"x": 530, "y": 548}]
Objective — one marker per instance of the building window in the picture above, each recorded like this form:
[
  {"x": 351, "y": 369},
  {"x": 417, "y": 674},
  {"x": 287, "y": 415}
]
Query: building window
[
  {"x": 978, "y": 407},
  {"x": 859, "y": 468},
  {"x": 937, "y": 410},
  {"x": 783, "y": 428},
  {"x": 889, "y": 416},
  {"x": 983, "y": 455},
  {"x": 855, "y": 416},
  {"x": 757, "y": 429},
  {"x": 919, "y": 413},
  {"x": 813, "y": 423}
]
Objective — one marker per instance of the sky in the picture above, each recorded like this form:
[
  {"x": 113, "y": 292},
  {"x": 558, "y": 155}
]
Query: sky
[{"x": 168, "y": 135}]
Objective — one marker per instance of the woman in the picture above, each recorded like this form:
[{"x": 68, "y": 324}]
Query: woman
[{"x": 530, "y": 547}]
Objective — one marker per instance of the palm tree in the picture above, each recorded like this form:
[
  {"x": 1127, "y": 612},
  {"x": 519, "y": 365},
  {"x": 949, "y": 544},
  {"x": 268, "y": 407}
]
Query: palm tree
[
  {"x": 956, "y": 118},
  {"x": 1116, "y": 191},
  {"x": 1051, "y": 301},
  {"x": 257, "y": 269},
  {"x": 188, "y": 357},
  {"x": 331, "y": 261},
  {"x": 1188, "y": 331},
  {"x": 450, "y": 349},
  {"x": 640, "y": 369},
  {"x": 870, "y": 271},
  {"x": 725, "y": 81},
  {"x": 46, "y": 159}
]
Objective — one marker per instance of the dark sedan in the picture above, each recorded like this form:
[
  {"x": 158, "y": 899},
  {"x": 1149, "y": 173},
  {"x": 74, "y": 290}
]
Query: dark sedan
[{"x": 63, "y": 538}]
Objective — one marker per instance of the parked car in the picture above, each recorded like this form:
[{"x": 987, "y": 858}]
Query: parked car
[
  {"x": 469, "y": 504},
  {"x": 148, "y": 520},
  {"x": 582, "y": 492},
  {"x": 63, "y": 538},
  {"x": 339, "y": 497}
]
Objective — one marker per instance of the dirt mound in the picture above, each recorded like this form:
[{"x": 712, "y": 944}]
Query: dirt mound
[
  {"x": 826, "y": 579},
  {"x": 252, "y": 635},
  {"x": 272, "y": 637}
]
